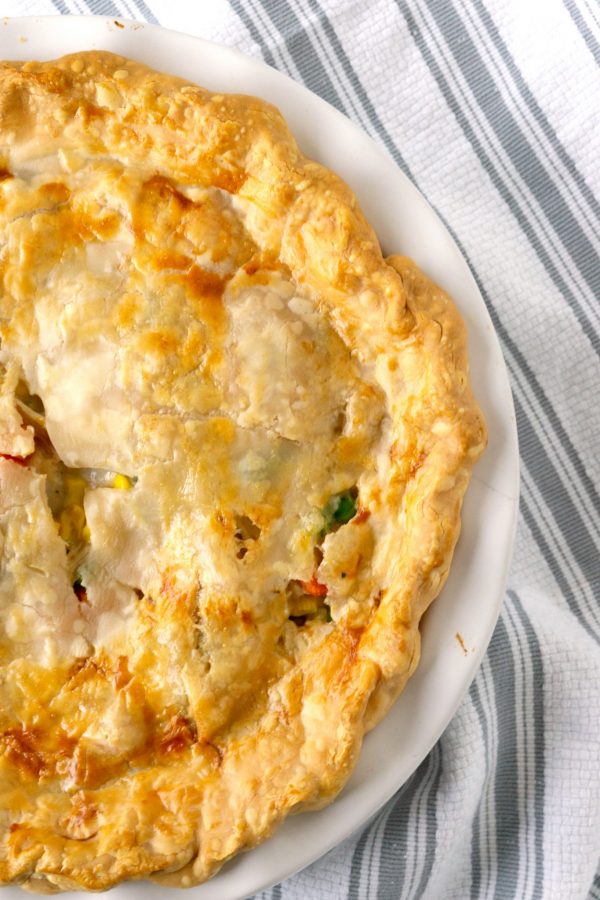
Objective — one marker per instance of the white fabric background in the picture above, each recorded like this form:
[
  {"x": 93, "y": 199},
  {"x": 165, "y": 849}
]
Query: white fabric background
[{"x": 493, "y": 110}]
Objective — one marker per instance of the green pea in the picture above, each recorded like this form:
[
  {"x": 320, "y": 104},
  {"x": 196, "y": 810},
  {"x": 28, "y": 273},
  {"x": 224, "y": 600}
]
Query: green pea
[
  {"x": 346, "y": 509},
  {"x": 338, "y": 510}
]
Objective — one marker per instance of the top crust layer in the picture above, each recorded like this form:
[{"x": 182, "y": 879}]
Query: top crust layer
[{"x": 234, "y": 443}]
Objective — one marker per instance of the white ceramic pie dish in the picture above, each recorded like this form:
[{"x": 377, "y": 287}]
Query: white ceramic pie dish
[{"x": 458, "y": 627}]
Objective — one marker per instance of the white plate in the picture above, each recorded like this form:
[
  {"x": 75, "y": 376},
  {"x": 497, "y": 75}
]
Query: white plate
[{"x": 471, "y": 599}]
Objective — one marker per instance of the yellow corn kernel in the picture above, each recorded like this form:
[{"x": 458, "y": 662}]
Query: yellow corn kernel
[
  {"x": 86, "y": 534},
  {"x": 304, "y": 606},
  {"x": 65, "y": 527},
  {"x": 122, "y": 482},
  {"x": 72, "y": 523},
  {"x": 75, "y": 487}
]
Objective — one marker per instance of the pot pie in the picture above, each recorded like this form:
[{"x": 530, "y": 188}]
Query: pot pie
[{"x": 234, "y": 444}]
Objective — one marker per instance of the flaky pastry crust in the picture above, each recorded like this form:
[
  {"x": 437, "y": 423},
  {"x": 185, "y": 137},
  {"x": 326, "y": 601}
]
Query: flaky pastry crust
[{"x": 235, "y": 442}]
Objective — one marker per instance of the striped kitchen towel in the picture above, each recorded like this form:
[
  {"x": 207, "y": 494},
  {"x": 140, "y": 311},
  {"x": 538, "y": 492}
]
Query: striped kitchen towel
[{"x": 493, "y": 110}]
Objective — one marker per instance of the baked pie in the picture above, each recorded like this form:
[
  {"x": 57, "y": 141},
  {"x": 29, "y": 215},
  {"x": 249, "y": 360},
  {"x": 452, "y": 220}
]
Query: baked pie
[{"x": 234, "y": 444}]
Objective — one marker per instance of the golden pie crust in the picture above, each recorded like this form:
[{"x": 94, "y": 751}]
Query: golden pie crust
[{"x": 235, "y": 442}]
